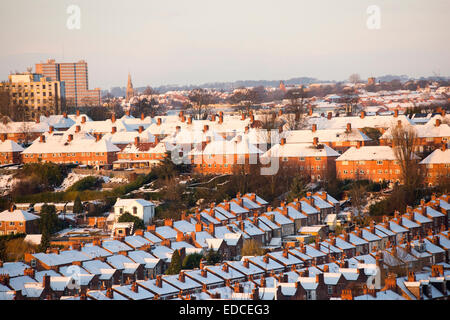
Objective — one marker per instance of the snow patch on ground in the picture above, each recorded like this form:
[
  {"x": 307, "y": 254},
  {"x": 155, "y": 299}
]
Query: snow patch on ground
[
  {"x": 7, "y": 182},
  {"x": 75, "y": 177}
]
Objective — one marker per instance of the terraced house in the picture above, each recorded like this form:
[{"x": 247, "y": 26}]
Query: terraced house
[
  {"x": 376, "y": 163},
  {"x": 65, "y": 148}
]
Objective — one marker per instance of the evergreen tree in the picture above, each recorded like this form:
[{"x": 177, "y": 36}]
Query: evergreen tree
[
  {"x": 77, "y": 206},
  {"x": 175, "y": 264},
  {"x": 192, "y": 261},
  {"x": 49, "y": 219},
  {"x": 298, "y": 189},
  {"x": 45, "y": 241},
  {"x": 128, "y": 217},
  {"x": 213, "y": 257}
]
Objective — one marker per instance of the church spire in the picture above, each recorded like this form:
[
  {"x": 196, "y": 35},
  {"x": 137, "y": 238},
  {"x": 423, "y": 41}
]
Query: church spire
[{"x": 130, "y": 90}]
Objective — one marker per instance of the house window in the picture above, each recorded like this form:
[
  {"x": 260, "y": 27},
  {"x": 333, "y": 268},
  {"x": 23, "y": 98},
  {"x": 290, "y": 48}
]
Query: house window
[
  {"x": 379, "y": 162},
  {"x": 330, "y": 290},
  {"x": 134, "y": 210}
]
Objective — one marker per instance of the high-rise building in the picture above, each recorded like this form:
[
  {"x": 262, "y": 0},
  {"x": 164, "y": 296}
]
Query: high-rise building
[
  {"x": 35, "y": 94},
  {"x": 130, "y": 90},
  {"x": 75, "y": 77}
]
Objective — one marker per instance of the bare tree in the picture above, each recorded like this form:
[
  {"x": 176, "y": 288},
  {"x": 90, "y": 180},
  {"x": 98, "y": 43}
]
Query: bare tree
[
  {"x": 350, "y": 98},
  {"x": 26, "y": 131},
  {"x": 246, "y": 98},
  {"x": 358, "y": 199},
  {"x": 200, "y": 99},
  {"x": 354, "y": 78},
  {"x": 296, "y": 110},
  {"x": 404, "y": 140}
]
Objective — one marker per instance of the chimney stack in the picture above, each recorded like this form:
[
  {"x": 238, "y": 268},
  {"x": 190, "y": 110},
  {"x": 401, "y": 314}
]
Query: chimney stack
[
  {"x": 314, "y": 127},
  {"x": 70, "y": 137},
  {"x": 77, "y": 129},
  {"x": 330, "y": 115},
  {"x": 349, "y": 127},
  {"x": 83, "y": 119},
  {"x": 363, "y": 114},
  {"x": 113, "y": 130},
  {"x": 113, "y": 118},
  {"x": 42, "y": 139},
  {"x": 438, "y": 122},
  {"x": 51, "y": 129},
  {"x": 142, "y": 116},
  {"x": 141, "y": 128},
  {"x": 158, "y": 121},
  {"x": 315, "y": 141}
]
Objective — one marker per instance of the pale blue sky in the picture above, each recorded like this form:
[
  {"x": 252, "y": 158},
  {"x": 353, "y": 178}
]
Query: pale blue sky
[{"x": 197, "y": 41}]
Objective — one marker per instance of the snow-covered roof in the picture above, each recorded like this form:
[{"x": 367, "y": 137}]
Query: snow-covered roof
[
  {"x": 17, "y": 215},
  {"x": 152, "y": 237},
  {"x": 13, "y": 269},
  {"x": 188, "y": 283},
  {"x": 136, "y": 241},
  {"x": 369, "y": 153},
  {"x": 381, "y": 121},
  {"x": 10, "y": 146},
  {"x": 101, "y": 268},
  {"x": 95, "y": 251},
  {"x": 290, "y": 150},
  {"x": 287, "y": 261},
  {"x": 130, "y": 202},
  {"x": 232, "y": 273},
  {"x": 165, "y": 290},
  {"x": 101, "y": 295},
  {"x": 250, "y": 270},
  {"x": 270, "y": 265},
  {"x": 127, "y": 291},
  {"x": 326, "y": 135},
  {"x": 58, "y": 142},
  {"x": 166, "y": 232},
  {"x": 115, "y": 246},
  {"x": 437, "y": 157},
  {"x": 208, "y": 279}
]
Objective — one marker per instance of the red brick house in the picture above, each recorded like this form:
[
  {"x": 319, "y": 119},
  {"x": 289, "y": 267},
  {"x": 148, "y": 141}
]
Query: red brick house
[{"x": 14, "y": 221}]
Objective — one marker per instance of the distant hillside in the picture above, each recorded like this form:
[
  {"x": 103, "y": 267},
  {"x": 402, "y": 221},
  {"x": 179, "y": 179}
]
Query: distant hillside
[{"x": 226, "y": 86}]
